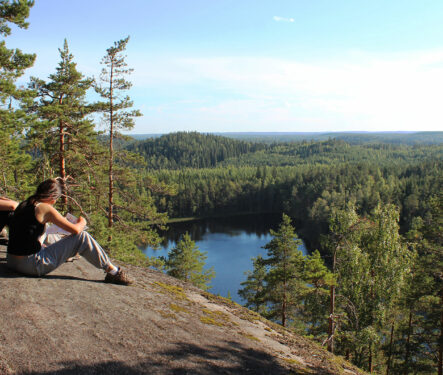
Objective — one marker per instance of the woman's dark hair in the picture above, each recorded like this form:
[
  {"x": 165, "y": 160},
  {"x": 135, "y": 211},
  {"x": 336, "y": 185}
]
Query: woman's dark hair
[{"x": 48, "y": 189}]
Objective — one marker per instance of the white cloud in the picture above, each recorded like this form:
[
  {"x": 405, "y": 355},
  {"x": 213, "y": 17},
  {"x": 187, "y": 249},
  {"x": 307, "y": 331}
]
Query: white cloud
[
  {"x": 362, "y": 91},
  {"x": 282, "y": 19}
]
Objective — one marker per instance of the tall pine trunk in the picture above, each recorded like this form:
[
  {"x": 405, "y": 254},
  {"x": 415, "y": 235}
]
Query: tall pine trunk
[
  {"x": 111, "y": 180},
  {"x": 111, "y": 154},
  {"x": 388, "y": 365},
  {"x": 283, "y": 309},
  {"x": 440, "y": 349},
  {"x": 62, "y": 164}
]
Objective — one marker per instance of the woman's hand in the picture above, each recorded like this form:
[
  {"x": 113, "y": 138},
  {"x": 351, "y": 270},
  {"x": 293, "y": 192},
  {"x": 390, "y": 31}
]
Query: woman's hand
[{"x": 82, "y": 221}]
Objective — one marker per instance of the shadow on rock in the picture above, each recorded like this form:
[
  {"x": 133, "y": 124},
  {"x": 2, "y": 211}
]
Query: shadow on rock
[
  {"x": 230, "y": 358},
  {"x": 4, "y": 270}
]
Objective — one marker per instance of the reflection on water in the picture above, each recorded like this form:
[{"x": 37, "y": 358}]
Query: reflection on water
[
  {"x": 258, "y": 225},
  {"x": 230, "y": 243}
]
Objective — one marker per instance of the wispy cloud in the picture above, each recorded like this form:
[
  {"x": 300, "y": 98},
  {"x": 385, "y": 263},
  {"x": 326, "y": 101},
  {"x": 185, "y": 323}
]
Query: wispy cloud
[{"x": 282, "y": 19}]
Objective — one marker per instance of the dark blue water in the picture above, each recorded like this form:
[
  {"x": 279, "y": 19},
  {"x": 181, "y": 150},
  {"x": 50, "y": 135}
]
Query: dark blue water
[{"x": 230, "y": 244}]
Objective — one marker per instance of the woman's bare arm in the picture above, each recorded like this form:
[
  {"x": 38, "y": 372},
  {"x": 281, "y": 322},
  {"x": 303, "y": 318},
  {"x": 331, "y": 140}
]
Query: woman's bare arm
[
  {"x": 7, "y": 204},
  {"x": 46, "y": 213}
]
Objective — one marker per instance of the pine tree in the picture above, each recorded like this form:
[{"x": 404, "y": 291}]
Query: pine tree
[
  {"x": 186, "y": 262},
  {"x": 116, "y": 111},
  {"x": 319, "y": 280},
  {"x": 65, "y": 136},
  {"x": 14, "y": 162},
  {"x": 285, "y": 285}
]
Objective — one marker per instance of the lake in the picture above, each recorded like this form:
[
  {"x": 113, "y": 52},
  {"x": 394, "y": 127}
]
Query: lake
[{"x": 230, "y": 243}]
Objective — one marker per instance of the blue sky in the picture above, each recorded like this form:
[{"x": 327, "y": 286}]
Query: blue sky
[{"x": 288, "y": 65}]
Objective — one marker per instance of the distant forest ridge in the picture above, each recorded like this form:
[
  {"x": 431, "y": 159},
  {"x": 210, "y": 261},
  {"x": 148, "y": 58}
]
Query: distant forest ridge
[
  {"x": 197, "y": 150},
  {"x": 357, "y": 137}
]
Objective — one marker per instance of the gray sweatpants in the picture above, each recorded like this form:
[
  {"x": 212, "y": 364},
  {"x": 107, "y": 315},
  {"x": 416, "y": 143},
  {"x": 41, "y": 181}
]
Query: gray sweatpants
[{"x": 51, "y": 257}]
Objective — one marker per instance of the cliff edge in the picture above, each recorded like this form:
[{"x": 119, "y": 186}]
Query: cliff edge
[{"x": 70, "y": 322}]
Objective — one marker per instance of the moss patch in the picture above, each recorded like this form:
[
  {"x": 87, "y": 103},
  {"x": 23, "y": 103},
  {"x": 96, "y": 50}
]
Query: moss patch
[
  {"x": 171, "y": 290},
  {"x": 167, "y": 315},
  {"x": 249, "y": 315},
  {"x": 178, "y": 309},
  {"x": 211, "y": 321},
  {"x": 217, "y": 315},
  {"x": 220, "y": 300},
  {"x": 217, "y": 318},
  {"x": 250, "y": 337},
  {"x": 292, "y": 361}
]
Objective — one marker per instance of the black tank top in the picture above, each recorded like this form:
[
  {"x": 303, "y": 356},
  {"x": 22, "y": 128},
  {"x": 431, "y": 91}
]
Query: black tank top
[{"x": 24, "y": 231}]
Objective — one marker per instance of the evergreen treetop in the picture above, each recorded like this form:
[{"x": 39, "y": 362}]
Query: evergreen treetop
[{"x": 186, "y": 262}]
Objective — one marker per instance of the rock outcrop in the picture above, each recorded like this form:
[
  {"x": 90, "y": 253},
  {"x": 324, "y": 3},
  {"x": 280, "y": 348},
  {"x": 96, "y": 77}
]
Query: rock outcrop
[{"x": 70, "y": 322}]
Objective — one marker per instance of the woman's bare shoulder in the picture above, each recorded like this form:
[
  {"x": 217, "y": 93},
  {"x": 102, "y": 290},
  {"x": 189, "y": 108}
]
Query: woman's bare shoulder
[{"x": 43, "y": 208}]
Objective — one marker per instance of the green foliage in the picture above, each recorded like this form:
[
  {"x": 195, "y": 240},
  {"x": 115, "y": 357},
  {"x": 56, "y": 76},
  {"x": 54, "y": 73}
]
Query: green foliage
[
  {"x": 254, "y": 288},
  {"x": 372, "y": 268},
  {"x": 415, "y": 348},
  {"x": 14, "y": 12},
  {"x": 14, "y": 162},
  {"x": 186, "y": 262},
  {"x": 316, "y": 298}
]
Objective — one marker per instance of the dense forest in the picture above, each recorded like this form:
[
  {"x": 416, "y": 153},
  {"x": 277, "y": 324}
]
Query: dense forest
[
  {"x": 371, "y": 206},
  {"x": 193, "y": 150}
]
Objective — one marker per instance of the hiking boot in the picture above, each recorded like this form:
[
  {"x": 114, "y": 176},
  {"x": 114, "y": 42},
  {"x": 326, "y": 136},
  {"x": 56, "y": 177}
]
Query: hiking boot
[{"x": 121, "y": 278}]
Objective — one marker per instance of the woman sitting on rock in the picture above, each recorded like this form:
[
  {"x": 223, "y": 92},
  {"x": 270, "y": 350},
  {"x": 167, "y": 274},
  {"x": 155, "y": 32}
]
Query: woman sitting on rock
[{"x": 27, "y": 255}]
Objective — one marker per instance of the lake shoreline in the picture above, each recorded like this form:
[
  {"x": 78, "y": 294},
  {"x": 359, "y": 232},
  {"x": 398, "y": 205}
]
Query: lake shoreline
[
  {"x": 218, "y": 216},
  {"x": 191, "y": 219}
]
